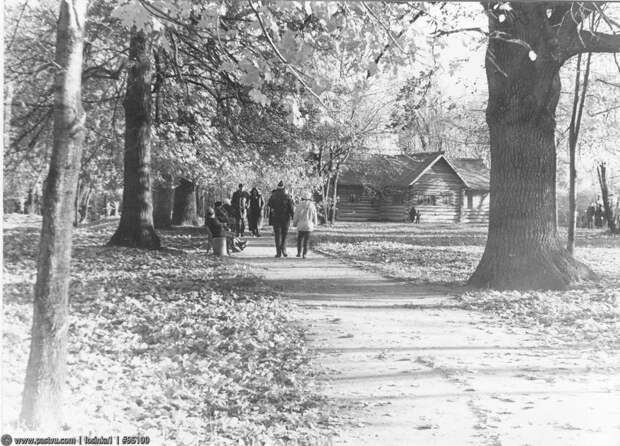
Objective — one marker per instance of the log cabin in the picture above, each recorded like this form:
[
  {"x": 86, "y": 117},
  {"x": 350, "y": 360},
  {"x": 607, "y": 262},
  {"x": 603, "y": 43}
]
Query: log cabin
[{"x": 443, "y": 190}]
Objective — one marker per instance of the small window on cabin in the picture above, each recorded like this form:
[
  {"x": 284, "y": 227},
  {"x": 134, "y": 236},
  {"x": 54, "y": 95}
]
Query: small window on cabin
[
  {"x": 430, "y": 200},
  {"x": 353, "y": 198},
  {"x": 470, "y": 201},
  {"x": 446, "y": 199}
]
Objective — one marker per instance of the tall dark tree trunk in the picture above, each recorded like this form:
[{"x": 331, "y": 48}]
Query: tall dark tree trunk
[
  {"x": 162, "y": 206},
  {"x": 46, "y": 370},
  {"x": 523, "y": 250},
  {"x": 184, "y": 210},
  {"x": 135, "y": 228}
]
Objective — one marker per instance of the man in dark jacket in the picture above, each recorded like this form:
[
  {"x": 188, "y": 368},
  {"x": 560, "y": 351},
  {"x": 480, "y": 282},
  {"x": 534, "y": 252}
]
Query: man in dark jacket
[
  {"x": 281, "y": 210},
  {"x": 239, "y": 204}
]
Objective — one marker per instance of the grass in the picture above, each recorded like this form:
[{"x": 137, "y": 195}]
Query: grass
[
  {"x": 448, "y": 255},
  {"x": 175, "y": 344}
]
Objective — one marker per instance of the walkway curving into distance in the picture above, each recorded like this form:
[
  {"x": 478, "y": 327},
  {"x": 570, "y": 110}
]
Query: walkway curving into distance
[{"x": 409, "y": 367}]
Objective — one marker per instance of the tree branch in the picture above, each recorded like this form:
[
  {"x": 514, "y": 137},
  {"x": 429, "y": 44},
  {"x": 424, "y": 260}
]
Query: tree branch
[{"x": 593, "y": 42}]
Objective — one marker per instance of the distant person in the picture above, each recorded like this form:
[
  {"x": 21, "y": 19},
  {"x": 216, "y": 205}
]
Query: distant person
[
  {"x": 255, "y": 211},
  {"x": 218, "y": 229},
  {"x": 590, "y": 211},
  {"x": 414, "y": 215},
  {"x": 239, "y": 203},
  {"x": 598, "y": 216},
  {"x": 280, "y": 213},
  {"x": 222, "y": 215},
  {"x": 230, "y": 212},
  {"x": 305, "y": 219}
]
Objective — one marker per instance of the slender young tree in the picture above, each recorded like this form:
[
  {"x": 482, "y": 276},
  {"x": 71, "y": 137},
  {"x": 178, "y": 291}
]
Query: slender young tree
[
  {"x": 579, "y": 100},
  {"x": 601, "y": 171},
  {"x": 528, "y": 44},
  {"x": 135, "y": 228},
  {"x": 45, "y": 373}
]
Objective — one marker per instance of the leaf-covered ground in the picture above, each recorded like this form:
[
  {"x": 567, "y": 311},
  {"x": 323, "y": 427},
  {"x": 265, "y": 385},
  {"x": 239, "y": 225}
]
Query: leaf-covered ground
[
  {"x": 174, "y": 344},
  {"x": 448, "y": 255}
]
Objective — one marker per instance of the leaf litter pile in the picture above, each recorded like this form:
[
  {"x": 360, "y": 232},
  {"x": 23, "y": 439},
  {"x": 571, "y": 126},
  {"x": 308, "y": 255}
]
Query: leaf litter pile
[
  {"x": 174, "y": 344},
  {"x": 586, "y": 314}
]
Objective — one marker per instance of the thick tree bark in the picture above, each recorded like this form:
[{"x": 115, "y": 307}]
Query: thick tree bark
[
  {"x": 135, "y": 228},
  {"x": 45, "y": 373},
  {"x": 184, "y": 210},
  {"x": 162, "y": 206},
  {"x": 523, "y": 250}
]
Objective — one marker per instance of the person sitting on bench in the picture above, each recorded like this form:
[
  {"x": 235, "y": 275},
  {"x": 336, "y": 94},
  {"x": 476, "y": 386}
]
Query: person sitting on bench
[{"x": 218, "y": 229}]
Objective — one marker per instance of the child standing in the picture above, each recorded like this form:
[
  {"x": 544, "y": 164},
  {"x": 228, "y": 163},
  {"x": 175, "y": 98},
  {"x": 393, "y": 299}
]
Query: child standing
[{"x": 305, "y": 219}]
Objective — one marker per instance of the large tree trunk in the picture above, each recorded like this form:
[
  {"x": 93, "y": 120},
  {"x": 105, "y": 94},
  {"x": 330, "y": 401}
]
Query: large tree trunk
[
  {"x": 162, "y": 206},
  {"x": 523, "y": 250},
  {"x": 184, "y": 210},
  {"x": 135, "y": 228},
  {"x": 45, "y": 373}
]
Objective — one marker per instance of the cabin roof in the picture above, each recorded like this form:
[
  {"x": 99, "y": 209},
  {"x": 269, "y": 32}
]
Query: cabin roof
[
  {"x": 406, "y": 170},
  {"x": 473, "y": 171}
]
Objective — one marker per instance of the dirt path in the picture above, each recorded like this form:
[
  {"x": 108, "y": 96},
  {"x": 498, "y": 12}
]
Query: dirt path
[{"x": 409, "y": 367}]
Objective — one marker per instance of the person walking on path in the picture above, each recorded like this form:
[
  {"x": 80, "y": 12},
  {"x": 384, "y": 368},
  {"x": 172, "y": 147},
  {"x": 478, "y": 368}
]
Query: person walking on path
[
  {"x": 280, "y": 213},
  {"x": 255, "y": 211},
  {"x": 590, "y": 215},
  {"x": 240, "y": 204},
  {"x": 305, "y": 219}
]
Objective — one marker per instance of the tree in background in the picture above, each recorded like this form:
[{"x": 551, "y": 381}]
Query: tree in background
[
  {"x": 135, "y": 228},
  {"x": 45, "y": 373}
]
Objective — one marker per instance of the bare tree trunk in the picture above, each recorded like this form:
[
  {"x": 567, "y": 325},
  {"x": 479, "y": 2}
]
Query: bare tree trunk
[
  {"x": 575, "y": 125},
  {"x": 523, "y": 249},
  {"x": 76, "y": 204},
  {"x": 162, "y": 206},
  {"x": 335, "y": 197},
  {"x": 46, "y": 370},
  {"x": 326, "y": 200},
  {"x": 31, "y": 205},
  {"x": 184, "y": 209},
  {"x": 84, "y": 206},
  {"x": 135, "y": 228},
  {"x": 601, "y": 170}
]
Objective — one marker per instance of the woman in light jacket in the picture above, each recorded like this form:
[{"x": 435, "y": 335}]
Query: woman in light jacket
[{"x": 305, "y": 219}]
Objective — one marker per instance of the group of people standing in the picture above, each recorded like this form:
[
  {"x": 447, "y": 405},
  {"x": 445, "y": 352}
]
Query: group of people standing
[
  {"x": 594, "y": 215},
  {"x": 247, "y": 206},
  {"x": 227, "y": 218}
]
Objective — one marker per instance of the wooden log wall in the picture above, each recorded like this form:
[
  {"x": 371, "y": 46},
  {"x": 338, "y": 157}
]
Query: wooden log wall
[
  {"x": 479, "y": 211},
  {"x": 361, "y": 209}
]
